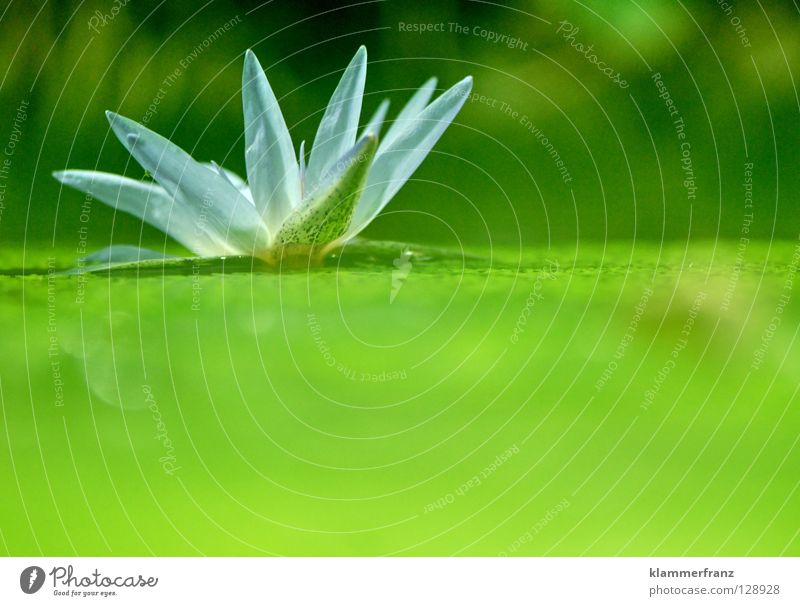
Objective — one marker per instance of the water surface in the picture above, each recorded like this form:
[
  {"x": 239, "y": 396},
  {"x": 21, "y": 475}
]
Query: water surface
[{"x": 595, "y": 401}]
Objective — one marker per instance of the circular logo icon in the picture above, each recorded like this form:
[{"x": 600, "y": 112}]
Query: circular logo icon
[{"x": 31, "y": 579}]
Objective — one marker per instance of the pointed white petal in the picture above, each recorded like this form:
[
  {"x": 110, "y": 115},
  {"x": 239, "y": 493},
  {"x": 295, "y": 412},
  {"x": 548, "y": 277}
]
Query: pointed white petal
[
  {"x": 232, "y": 178},
  {"x": 337, "y": 130},
  {"x": 326, "y": 213},
  {"x": 272, "y": 170},
  {"x": 222, "y": 212},
  {"x": 302, "y": 158},
  {"x": 147, "y": 201},
  {"x": 124, "y": 253},
  {"x": 410, "y": 110},
  {"x": 376, "y": 121},
  {"x": 397, "y": 162}
]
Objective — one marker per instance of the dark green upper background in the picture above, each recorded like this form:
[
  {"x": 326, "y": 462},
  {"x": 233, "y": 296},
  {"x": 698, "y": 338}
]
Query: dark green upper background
[{"x": 490, "y": 179}]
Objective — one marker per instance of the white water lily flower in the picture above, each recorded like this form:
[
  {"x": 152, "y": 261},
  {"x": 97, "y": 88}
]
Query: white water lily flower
[{"x": 285, "y": 204}]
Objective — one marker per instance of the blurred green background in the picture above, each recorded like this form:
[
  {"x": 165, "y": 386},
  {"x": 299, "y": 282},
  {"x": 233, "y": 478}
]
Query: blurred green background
[{"x": 490, "y": 177}]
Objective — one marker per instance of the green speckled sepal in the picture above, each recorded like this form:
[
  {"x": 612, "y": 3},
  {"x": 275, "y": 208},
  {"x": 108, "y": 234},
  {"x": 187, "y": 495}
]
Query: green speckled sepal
[{"x": 327, "y": 212}]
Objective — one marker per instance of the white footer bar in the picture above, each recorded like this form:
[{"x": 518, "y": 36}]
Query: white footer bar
[{"x": 400, "y": 581}]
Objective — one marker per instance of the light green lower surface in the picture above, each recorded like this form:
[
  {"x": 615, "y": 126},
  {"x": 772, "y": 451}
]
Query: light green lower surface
[{"x": 626, "y": 403}]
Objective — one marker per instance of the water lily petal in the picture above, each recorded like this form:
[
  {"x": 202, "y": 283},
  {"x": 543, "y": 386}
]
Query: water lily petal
[
  {"x": 222, "y": 212},
  {"x": 272, "y": 169},
  {"x": 147, "y": 201},
  {"x": 376, "y": 121},
  {"x": 410, "y": 110},
  {"x": 232, "y": 178},
  {"x": 301, "y": 156},
  {"x": 397, "y": 162},
  {"x": 124, "y": 253},
  {"x": 337, "y": 130},
  {"x": 328, "y": 210}
]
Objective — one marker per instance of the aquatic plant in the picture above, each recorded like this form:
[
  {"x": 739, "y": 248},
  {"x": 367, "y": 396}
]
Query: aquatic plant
[{"x": 286, "y": 204}]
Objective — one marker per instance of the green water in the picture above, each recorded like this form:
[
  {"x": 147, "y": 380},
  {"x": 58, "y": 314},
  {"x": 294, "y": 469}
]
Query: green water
[{"x": 601, "y": 400}]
